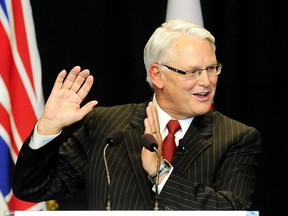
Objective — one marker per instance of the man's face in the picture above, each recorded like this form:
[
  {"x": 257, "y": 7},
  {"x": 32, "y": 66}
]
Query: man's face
[{"x": 183, "y": 96}]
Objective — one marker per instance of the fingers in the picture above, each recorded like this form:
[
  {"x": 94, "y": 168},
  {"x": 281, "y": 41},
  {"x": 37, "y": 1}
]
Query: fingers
[
  {"x": 73, "y": 79},
  {"x": 81, "y": 78},
  {"x": 87, "y": 108},
  {"x": 85, "y": 88},
  {"x": 77, "y": 81},
  {"x": 155, "y": 118},
  {"x": 59, "y": 80},
  {"x": 152, "y": 118},
  {"x": 151, "y": 122},
  {"x": 66, "y": 83}
]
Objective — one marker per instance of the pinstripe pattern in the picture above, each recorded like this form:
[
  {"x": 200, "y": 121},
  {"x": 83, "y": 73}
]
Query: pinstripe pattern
[{"x": 217, "y": 172}]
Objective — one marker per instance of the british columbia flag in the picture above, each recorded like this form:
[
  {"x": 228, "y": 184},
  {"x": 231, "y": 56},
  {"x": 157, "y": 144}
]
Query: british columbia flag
[{"x": 21, "y": 97}]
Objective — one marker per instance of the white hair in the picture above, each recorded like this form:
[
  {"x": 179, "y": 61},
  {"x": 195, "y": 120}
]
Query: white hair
[{"x": 157, "y": 47}]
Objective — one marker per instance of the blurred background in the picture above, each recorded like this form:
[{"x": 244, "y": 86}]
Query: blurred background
[{"x": 108, "y": 38}]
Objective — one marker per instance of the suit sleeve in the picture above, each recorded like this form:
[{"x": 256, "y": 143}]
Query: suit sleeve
[{"x": 45, "y": 173}]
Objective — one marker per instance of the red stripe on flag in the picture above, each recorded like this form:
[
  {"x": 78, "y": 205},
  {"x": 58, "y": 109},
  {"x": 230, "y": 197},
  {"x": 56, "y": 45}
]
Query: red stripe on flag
[
  {"x": 22, "y": 109},
  {"x": 5, "y": 53},
  {"x": 16, "y": 204},
  {"x": 21, "y": 39}
]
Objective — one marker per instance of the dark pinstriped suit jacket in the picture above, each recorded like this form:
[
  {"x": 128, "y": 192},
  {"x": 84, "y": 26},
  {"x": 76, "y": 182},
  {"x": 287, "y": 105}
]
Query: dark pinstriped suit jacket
[{"x": 217, "y": 173}]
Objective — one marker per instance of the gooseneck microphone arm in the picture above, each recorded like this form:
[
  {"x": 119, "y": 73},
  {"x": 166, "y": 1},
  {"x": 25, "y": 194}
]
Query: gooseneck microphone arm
[
  {"x": 149, "y": 142},
  {"x": 108, "y": 191},
  {"x": 156, "y": 205},
  {"x": 113, "y": 139}
]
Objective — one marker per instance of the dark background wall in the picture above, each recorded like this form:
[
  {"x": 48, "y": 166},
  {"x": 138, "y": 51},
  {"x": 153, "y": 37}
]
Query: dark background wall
[{"x": 108, "y": 38}]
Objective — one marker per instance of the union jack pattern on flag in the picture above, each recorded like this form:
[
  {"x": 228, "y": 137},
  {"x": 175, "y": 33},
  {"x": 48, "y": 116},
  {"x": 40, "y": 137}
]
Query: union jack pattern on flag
[{"x": 21, "y": 96}]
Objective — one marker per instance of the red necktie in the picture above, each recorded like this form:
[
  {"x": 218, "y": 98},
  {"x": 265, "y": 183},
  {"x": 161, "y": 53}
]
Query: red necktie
[{"x": 169, "y": 145}]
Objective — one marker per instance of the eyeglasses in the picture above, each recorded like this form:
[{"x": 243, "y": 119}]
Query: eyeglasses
[{"x": 213, "y": 70}]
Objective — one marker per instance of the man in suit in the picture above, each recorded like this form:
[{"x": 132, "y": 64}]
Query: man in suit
[{"x": 215, "y": 163}]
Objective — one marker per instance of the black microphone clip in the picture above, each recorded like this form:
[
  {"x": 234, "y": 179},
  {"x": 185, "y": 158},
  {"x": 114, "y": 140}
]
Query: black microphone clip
[{"x": 181, "y": 149}]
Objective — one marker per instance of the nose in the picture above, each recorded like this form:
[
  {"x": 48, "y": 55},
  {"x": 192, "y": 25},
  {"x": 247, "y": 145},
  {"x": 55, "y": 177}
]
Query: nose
[
  {"x": 204, "y": 80},
  {"x": 203, "y": 76}
]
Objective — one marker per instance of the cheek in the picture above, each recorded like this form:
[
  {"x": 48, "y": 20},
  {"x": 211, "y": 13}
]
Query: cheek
[
  {"x": 213, "y": 80},
  {"x": 188, "y": 84}
]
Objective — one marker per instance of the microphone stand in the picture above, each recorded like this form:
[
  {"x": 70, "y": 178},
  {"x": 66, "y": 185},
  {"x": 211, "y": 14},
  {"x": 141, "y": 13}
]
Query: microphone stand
[
  {"x": 149, "y": 142},
  {"x": 156, "y": 205},
  {"x": 114, "y": 138},
  {"x": 108, "y": 193}
]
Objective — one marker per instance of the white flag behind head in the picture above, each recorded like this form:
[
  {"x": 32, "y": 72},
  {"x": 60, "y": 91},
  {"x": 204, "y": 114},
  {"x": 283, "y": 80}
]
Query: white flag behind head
[{"x": 185, "y": 9}]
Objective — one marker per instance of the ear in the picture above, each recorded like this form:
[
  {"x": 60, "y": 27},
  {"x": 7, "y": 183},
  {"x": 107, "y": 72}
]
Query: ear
[{"x": 155, "y": 75}]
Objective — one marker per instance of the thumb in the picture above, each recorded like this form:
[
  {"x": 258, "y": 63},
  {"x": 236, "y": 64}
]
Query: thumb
[{"x": 87, "y": 108}]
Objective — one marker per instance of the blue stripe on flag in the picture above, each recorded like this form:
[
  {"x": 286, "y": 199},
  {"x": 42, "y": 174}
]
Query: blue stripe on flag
[
  {"x": 3, "y": 5},
  {"x": 6, "y": 168}
]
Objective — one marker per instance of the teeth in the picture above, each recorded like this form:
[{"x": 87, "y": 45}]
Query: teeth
[{"x": 200, "y": 93}]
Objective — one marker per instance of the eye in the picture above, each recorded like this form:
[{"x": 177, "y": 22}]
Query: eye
[
  {"x": 196, "y": 71},
  {"x": 211, "y": 68}
]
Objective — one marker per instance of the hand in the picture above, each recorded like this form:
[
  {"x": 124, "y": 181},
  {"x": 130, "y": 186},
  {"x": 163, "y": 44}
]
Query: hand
[
  {"x": 151, "y": 123},
  {"x": 63, "y": 105}
]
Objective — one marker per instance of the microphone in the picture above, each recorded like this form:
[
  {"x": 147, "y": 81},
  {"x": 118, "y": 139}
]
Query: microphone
[
  {"x": 181, "y": 149},
  {"x": 114, "y": 138},
  {"x": 149, "y": 142}
]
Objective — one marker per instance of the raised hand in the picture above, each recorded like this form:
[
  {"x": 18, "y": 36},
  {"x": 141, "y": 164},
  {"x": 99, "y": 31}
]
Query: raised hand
[
  {"x": 151, "y": 123},
  {"x": 63, "y": 105}
]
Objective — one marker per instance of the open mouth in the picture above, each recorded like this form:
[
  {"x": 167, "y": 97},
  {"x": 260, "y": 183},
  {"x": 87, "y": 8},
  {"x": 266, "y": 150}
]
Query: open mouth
[{"x": 201, "y": 94}]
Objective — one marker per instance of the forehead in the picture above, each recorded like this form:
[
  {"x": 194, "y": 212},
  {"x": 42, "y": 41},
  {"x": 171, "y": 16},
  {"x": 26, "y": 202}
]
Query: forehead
[
  {"x": 190, "y": 50},
  {"x": 191, "y": 43}
]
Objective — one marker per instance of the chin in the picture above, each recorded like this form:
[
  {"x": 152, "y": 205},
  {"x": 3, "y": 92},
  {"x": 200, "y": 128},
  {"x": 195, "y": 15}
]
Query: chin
[{"x": 204, "y": 109}]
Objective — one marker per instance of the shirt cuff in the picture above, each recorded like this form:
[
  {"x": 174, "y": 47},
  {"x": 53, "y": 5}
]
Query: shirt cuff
[
  {"x": 161, "y": 185},
  {"x": 37, "y": 141}
]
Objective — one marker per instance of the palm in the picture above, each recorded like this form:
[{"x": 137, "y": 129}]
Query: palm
[{"x": 63, "y": 105}]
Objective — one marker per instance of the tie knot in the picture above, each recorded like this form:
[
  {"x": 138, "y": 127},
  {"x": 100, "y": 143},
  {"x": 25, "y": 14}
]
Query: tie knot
[{"x": 173, "y": 126}]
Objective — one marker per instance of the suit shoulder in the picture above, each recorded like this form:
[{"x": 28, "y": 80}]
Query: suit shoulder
[
  {"x": 222, "y": 119},
  {"x": 116, "y": 111}
]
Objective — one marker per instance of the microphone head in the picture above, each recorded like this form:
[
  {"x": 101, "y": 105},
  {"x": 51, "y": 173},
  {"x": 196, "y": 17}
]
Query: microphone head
[
  {"x": 115, "y": 137},
  {"x": 149, "y": 142}
]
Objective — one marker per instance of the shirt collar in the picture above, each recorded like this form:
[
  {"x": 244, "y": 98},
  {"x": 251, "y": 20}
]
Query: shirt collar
[{"x": 164, "y": 118}]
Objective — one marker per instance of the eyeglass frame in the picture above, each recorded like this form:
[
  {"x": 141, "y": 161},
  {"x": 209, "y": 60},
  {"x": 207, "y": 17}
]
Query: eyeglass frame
[{"x": 196, "y": 71}]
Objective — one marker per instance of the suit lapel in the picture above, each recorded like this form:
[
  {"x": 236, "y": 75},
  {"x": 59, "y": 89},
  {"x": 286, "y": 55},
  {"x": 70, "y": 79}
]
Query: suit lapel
[
  {"x": 195, "y": 141},
  {"x": 134, "y": 148}
]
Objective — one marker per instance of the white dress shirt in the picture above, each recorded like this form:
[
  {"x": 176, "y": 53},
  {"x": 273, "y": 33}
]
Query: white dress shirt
[{"x": 164, "y": 118}]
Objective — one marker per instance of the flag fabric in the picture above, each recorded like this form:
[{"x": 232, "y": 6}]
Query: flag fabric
[
  {"x": 21, "y": 96},
  {"x": 189, "y": 10},
  {"x": 185, "y": 9}
]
